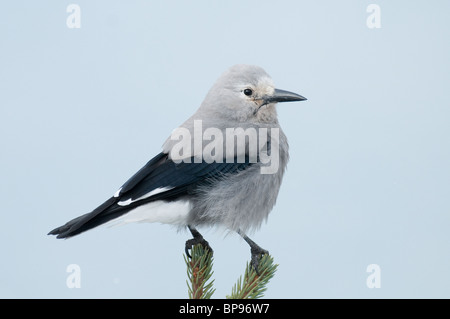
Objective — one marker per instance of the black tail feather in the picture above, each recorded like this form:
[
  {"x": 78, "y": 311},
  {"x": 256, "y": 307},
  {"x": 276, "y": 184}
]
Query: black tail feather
[{"x": 86, "y": 221}]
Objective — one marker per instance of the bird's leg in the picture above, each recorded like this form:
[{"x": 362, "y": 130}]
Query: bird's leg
[
  {"x": 198, "y": 239},
  {"x": 256, "y": 251}
]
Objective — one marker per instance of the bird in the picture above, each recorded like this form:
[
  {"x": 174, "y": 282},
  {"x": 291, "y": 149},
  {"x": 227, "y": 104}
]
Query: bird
[{"x": 200, "y": 181}]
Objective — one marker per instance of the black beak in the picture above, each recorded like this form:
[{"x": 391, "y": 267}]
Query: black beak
[{"x": 283, "y": 96}]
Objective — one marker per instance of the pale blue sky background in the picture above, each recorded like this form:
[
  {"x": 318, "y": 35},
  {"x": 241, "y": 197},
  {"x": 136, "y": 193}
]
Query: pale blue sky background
[{"x": 368, "y": 181}]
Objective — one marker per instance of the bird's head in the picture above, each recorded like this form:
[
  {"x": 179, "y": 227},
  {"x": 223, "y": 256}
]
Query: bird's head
[{"x": 246, "y": 93}]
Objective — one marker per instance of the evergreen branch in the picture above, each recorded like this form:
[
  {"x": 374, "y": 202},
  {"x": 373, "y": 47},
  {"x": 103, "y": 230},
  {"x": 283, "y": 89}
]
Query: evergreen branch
[
  {"x": 199, "y": 271},
  {"x": 253, "y": 286}
]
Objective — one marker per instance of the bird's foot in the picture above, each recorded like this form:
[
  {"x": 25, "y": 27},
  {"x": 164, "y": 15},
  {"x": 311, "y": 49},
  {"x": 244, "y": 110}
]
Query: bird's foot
[
  {"x": 195, "y": 241},
  {"x": 257, "y": 254}
]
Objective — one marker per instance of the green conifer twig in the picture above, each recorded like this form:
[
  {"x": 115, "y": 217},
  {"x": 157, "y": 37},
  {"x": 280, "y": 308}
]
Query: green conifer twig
[
  {"x": 253, "y": 286},
  {"x": 199, "y": 271}
]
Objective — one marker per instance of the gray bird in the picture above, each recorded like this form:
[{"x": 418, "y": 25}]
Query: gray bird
[{"x": 222, "y": 167}]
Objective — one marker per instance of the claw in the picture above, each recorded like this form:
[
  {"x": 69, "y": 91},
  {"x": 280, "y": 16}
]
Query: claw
[
  {"x": 195, "y": 241},
  {"x": 186, "y": 250},
  {"x": 257, "y": 254}
]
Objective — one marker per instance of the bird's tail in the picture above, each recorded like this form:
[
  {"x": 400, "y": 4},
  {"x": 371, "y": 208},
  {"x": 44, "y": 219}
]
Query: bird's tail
[{"x": 102, "y": 214}]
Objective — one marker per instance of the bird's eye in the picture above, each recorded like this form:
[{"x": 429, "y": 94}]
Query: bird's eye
[{"x": 248, "y": 92}]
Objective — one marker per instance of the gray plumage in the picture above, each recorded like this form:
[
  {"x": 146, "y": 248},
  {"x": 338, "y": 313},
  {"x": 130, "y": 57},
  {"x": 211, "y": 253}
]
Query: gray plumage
[
  {"x": 192, "y": 190},
  {"x": 243, "y": 200}
]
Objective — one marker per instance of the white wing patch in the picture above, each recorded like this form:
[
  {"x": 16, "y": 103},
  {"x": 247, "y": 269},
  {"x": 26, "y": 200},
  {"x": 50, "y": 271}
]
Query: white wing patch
[
  {"x": 153, "y": 192},
  {"x": 116, "y": 194}
]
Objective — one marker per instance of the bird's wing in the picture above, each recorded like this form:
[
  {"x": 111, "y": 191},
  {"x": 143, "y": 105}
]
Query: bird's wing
[{"x": 159, "y": 179}]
